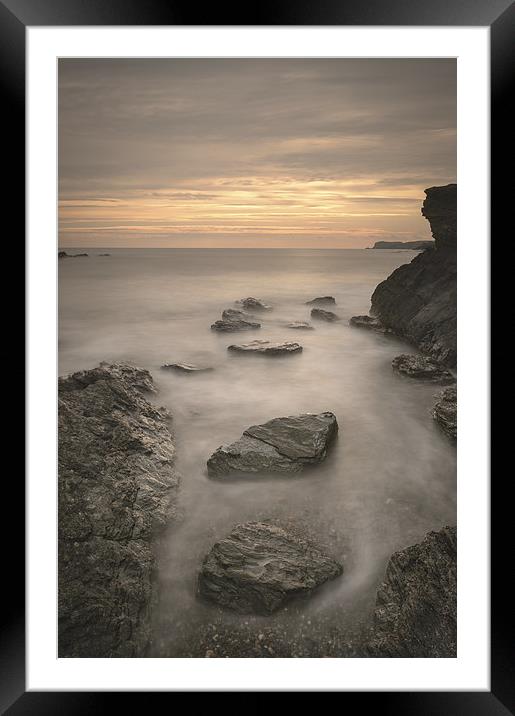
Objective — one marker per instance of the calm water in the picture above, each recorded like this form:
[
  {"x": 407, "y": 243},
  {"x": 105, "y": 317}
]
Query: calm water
[{"x": 388, "y": 480}]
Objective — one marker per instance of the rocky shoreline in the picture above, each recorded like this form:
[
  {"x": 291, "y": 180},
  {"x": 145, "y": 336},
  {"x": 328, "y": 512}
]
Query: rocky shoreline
[{"x": 117, "y": 490}]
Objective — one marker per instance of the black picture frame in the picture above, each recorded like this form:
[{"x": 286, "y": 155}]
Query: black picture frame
[{"x": 499, "y": 15}]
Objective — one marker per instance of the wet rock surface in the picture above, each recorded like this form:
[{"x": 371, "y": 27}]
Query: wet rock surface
[
  {"x": 234, "y": 325},
  {"x": 281, "y": 445},
  {"x": 371, "y": 322},
  {"x": 445, "y": 411},
  {"x": 322, "y": 301},
  {"x": 418, "y": 300},
  {"x": 421, "y": 368},
  {"x": 320, "y": 315},
  {"x": 268, "y": 348},
  {"x": 300, "y": 326},
  {"x": 253, "y": 304},
  {"x": 415, "y": 613},
  {"x": 186, "y": 368},
  {"x": 117, "y": 489},
  {"x": 259, "y": 567}
]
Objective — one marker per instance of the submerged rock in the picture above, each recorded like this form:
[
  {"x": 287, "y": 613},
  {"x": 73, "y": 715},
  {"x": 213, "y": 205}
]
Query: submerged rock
[
  {"x": 322, "y": 315},
  {"x": 415, "y": 614},
  {"x": 185, "y": 368},
  {"x": 445, "y": 411},
  {"x": 322, "y": 301},
  {"x": 258, "y": 567},
  {"x": 253, "y": 304},
  {"x": 234, "y": 325},
  {"x": 116, "y": 488},
  {"x": 371, "y": 322},
  {"x": 279, "y": 445},
  {"x": 300, "y": 326},
  {"x": 266, "y": 347},
  {"x": 421, "y": 368},
  {"x": 418, "y": 300}
]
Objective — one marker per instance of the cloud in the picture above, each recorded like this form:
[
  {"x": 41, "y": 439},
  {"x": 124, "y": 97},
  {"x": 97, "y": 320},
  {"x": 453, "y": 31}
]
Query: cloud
[{"x": 236, "y": 142}]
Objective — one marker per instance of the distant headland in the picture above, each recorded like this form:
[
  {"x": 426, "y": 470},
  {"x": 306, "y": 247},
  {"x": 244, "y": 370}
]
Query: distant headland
[{"x": 413, "y": 245}]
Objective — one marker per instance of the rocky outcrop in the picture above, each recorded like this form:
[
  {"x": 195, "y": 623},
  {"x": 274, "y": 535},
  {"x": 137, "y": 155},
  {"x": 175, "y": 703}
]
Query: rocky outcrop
[
  {"x": 445, "y": 411},
  {"x": 117, "y": 488},
  {"x": 267, "y": 348},
  {"x": 280, "y": 445},
  {"x": 64, "y": 255},
  {"x": 253, "y": 304},
  {"x": 322, "y": 301},
  {"x": 371, "y": 322},
  {"x": 320, "y": 315},
  {"x": 415, "y": 614},
  {"x": 234, "y": 325},
  {"x": 186, "y": 368},
  {"x": 418, "y": 300},
  {"x": 259, "y": 567},
  {"x": 234, "y": 314},
  {"x": 421, "y": 368}
]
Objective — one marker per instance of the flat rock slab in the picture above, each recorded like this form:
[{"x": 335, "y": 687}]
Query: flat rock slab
[
  {"x": 266, "y": 347},
  {"x": 258, "y": 567},
  {"x": 185, "y": 368},
  {"x": 321, "y": 315},
  {"x": 300, "y": 326},
  {"x": 322, "y": 301},
  {"x": 233, "y": 325},
  {"x": 445, "y": 411},
  {"x": 281, "y": 445},
  {"x": 370, "y": 322},
  {"x": 421, "y": 368},
  {"x": 253, "y": 304}
]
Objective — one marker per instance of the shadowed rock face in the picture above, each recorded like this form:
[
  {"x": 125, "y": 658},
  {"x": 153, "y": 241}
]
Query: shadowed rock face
[
  {"x": 415, "y": 613},
  {"x": 259, "y": 567},
  {"x": 117, "y": 487},
  {"x": 418, "y": 300},
  {"x": 280, "y": 445},
  {"x": 445, "y": 411},
  {"x": 322, "y": 301},
  {"x": 421, "y": 368}
]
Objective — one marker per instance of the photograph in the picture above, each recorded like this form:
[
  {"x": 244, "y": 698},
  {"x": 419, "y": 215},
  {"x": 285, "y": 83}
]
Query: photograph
[{"x": 257, "y": 357}]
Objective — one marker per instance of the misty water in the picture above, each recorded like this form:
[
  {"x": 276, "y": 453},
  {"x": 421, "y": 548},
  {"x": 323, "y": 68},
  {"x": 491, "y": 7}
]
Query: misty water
[{"x": 389, "y": 478}]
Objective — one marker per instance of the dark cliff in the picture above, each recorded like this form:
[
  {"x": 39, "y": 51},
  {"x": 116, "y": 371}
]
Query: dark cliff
[
  {"x": 117, "y": 486},
  {"x": 418, "y": 300}
]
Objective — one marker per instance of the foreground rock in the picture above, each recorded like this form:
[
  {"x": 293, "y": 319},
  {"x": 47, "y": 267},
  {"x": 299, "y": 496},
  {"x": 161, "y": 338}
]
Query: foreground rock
[
  {"x": 268, "y": 348},
  {"x": 234, "y": 325},
  {"x": 415, "y": 614},
  {"x": 259, "y": 567},
  {"x": 185, "y": 368},
  {"x": 320, "y": 315},
  {"x": 322, "y": 301},
  {"x": 300, "y": 326},
  {"x": 117, "y": 489},
  {"x": 445, "y": 411},
  {"x": 253, "y": 304},
  {"x": 371, "y": 322},
  {"x": 418, "y": 300},
  {"x": 280, "y": 445},
  {"x": 421, "y": 368}
]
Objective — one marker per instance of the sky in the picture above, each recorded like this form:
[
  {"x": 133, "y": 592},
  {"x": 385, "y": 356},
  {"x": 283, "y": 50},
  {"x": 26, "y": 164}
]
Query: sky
[{"x": 304, "y": 153}]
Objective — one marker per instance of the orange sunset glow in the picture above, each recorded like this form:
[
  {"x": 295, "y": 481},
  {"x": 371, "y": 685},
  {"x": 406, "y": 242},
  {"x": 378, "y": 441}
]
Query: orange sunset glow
[{"x": 251, "y": 153}]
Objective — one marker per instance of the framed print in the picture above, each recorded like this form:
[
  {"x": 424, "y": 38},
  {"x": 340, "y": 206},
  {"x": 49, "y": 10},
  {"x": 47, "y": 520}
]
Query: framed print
[{"x": 257, "y": 258}]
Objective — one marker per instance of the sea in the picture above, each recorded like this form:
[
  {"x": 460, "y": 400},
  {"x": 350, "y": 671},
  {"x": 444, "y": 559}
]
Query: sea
[{"x": 389, "y": 478}]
